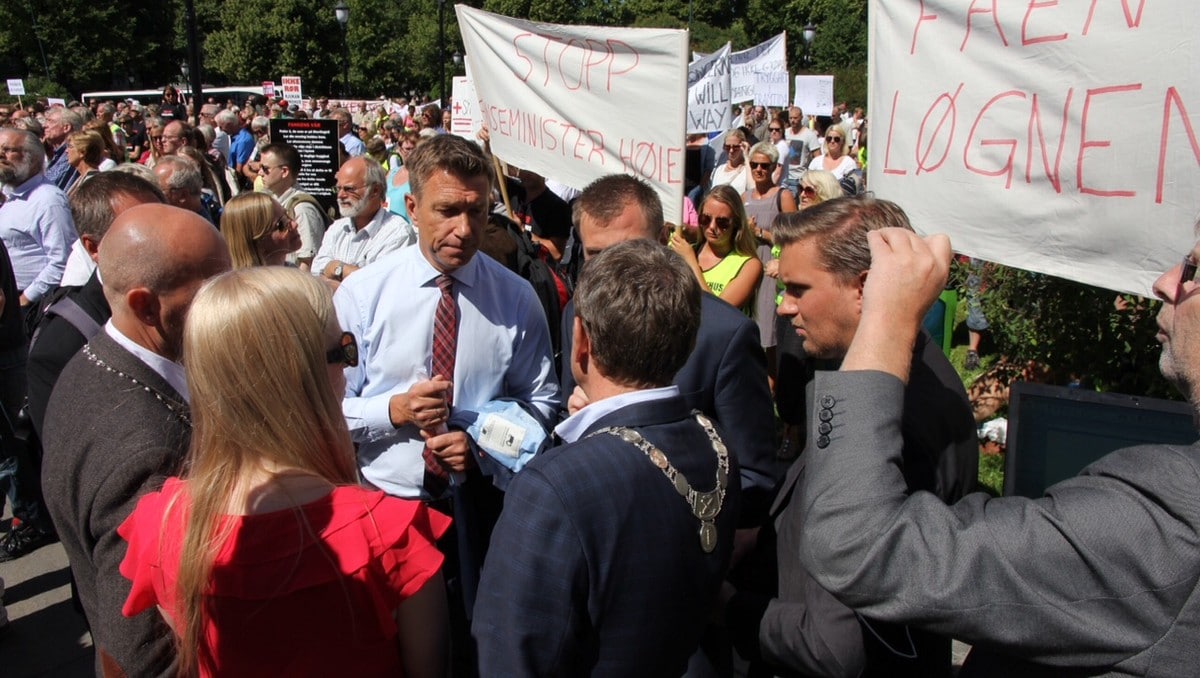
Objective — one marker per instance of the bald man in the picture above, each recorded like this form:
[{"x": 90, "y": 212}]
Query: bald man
[{"x": 117, "y": 423}]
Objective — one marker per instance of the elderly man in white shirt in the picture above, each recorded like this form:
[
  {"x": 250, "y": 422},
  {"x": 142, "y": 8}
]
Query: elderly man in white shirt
[{"x": 367, "y": 230}]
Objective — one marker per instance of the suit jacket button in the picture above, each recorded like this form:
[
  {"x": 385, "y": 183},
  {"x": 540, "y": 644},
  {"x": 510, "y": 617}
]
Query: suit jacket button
[
  {"x": 827, "y": 402},
  {"x": 824, "y": 428},
  {"x": 825, "y": 415},
  {"x": 823, "y": 441}
]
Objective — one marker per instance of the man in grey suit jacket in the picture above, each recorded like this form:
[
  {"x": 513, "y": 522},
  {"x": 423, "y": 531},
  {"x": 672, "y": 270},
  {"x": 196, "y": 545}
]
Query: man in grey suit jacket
[
  {"x": 117, "y": 421},
  {"x": 1099, "y": 577},
  {"x": 779, "y": 616}
]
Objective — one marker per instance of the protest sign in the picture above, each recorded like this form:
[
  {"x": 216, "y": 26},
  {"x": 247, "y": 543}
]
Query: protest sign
[
  {"x": 708, "y": 104},
  {"x": 16, "y": 87},
  {"x": 268, "y": 87},
  {"x": 814, "y": 94},
  {"x": 1055, "y": 137},
  {"x": 575, "y": 103},
  {"x": 317, "y": 143},
  {"x": 52, "y": 102},
  {"x": 464, "y": 112},
  {"x": 291, "y": 89},
  {"x": 760, "y": 73}
]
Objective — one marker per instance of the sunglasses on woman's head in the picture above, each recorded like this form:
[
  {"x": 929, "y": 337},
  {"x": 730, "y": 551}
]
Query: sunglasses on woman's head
[{"x": 345, "y": 353}]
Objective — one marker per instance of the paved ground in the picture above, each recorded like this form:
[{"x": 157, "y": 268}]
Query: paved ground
[{"x": 45, "y": 636}]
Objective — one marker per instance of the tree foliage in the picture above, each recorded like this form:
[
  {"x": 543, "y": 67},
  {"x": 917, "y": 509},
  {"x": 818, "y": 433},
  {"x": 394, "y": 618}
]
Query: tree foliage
[
  {"x": 393, "y": 46},
  {"x": 1072, "y": 329}
]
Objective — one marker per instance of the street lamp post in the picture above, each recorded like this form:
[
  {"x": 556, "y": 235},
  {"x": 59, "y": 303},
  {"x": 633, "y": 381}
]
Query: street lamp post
[
  {"x": 187, "y": 83},
  {"x": 810, "y": 32},
  {"x": 342, "y": 12}
]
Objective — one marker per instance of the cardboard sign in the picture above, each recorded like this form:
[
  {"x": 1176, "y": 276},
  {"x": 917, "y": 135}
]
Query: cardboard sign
[
  {"x": 465, "y": 120},
  {"x": 709, "y": 108},
  {"x": 760, "y": 74},
  {"x": 1059, "y": 137},
  {"x": 559, "y": 100},
  {"x": 291, "y": 89},
  {"x": 814, "y": 94},
  {"x": 16, "y": 87}
]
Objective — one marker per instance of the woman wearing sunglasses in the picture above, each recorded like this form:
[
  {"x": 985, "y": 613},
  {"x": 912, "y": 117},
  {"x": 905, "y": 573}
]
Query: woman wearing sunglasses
[
  {"x": 725, "y": 261},
  {"x": 733, "y": 171},
  {"x": 258, "y": 230},
  {"x": 764, "y": 201},
  {"x": 836, "y": 159},
  {"x": 267, "y": 558}
]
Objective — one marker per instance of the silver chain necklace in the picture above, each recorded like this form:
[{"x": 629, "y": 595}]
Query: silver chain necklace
[
  {"x": 180, "y": 412},
  {"x": 706, "y": 506}
]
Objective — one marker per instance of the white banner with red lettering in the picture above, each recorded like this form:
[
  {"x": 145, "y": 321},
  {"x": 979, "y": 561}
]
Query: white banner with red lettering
[
  {"x": 1059, "y": 137},
  {"x": 575, "y": 103}
]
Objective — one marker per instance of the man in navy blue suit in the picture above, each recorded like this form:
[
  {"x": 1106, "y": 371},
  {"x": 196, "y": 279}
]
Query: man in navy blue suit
[
  {"x": 614, "y": 544},
  {"x": 725, "y": 376}
]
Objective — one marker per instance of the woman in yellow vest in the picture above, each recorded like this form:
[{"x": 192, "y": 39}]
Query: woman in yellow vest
[{"x": 725, "y": 261}]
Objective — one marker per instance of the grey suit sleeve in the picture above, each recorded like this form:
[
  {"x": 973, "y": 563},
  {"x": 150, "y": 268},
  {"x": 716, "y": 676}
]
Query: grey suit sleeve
[
  {"x": 742, "y": 400},
  {"x": 1089, "y": 575},
  {"x": 819, "y": 637},
  {"x": 141, "y": 645}
]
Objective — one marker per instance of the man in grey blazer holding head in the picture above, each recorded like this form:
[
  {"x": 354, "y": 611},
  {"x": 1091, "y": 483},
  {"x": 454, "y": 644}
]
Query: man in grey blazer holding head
[{"x": 1099, "y": 577}]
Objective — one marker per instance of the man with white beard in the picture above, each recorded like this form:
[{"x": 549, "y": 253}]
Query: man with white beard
[{"x": 367, "y": 230}]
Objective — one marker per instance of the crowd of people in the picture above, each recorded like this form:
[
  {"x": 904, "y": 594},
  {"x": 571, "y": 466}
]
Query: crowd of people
[{"x": 482, "y": 423}]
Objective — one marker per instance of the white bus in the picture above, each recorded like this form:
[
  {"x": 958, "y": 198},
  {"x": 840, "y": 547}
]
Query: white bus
[{"x": 154, "y": 96}]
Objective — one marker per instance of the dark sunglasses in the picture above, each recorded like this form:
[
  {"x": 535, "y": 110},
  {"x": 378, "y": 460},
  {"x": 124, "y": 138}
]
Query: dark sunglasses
[
  {"x": 733, "y": 148},
  {"x": 808, "y": 190},
  {"x": 282, "y": 224},
  {"x": 722, "y": 222},
  {"x": 833, "y": 139},
  {"x": 760, "y": 165},
  {"x": 775, "y": 129},
  {"x": 1187, "y": 273},
  {"x": 345, "y": 353}
]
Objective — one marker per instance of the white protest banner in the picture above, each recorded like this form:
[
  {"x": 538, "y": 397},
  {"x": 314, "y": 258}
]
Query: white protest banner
[
  {"x": 556, "y": 99},
  {"x": 268, "y": 87},
  {"x": 814, "y": 94},
  {"x": 708, "y": 106},
  {"x": 52, "y": 102},
  {"x": 760, "y": 73},
  {"x": 465, "y": 120},
  {"x": 1054, "y": 137},
  {"x": 16, "y": 87},
  {"x": 291, "y": 89}
]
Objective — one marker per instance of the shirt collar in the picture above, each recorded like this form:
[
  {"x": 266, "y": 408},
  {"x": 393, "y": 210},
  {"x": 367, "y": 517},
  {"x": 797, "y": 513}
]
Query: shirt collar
[
  {"x": 573, "y": 427},
  {"x": 23, "y": 190},
  {"x": 465, "y": 274},
  {"x": 169, "y": 370}
]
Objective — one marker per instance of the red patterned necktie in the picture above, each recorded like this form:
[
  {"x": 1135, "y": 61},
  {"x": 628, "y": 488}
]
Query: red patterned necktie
[{"x": 445, "y": 343}]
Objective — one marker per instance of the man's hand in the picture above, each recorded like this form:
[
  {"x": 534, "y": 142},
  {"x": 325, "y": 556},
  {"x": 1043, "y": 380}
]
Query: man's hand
[
  {"x": 451, "y": 449},
  {"x": 423, "y": 405},
  {"x": 577, "y": 401},
  {"x": 24, "y": 300},
  {"x": 907, "y": 273}
]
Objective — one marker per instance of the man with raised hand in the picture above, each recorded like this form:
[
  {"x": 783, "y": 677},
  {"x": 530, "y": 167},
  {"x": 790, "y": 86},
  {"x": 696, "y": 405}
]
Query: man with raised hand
[{"x": 1098, "y": 577}]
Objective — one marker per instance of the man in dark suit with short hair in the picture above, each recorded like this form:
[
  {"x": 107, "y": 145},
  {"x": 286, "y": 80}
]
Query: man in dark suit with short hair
[
  {"x": 118, "y": 424},
  {"x": 610, "y": 548},
  {"x": 94, "y": 206},
  {"x": 725, "y": 375}
]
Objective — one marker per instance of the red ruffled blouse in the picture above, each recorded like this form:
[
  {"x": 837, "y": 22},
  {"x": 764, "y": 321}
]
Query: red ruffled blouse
[{"x": 294, "y": 597}]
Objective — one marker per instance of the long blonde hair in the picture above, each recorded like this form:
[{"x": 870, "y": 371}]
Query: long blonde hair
[
  {"x": 254, "y": 349},
  {"x": 247, "y": 217}
]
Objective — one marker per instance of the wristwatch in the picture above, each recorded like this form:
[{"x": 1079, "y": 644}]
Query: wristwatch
[{"x": 337, "y": 272}]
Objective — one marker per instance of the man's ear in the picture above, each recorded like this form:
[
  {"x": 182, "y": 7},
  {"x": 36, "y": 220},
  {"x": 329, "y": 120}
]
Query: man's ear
[
  {"x": 581, "y": 347},
  {"x": 410, "y": 205},
  {"x": 145, "y": 306},
  {"x": 91, "y": 245},
  {"x": 859, "y": 282}
]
